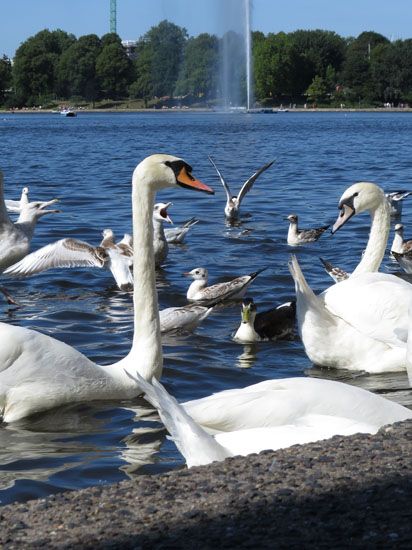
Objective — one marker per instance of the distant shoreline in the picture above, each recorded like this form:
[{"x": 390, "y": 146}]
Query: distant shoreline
[{"x": 206, "y": 110}]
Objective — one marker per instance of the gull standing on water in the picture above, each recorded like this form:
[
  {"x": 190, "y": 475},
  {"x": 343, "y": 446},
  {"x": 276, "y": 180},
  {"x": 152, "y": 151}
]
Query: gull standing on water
[
  {"x": 198, "y": 291},
  {"x": 301, "y": 236},
  {"x": 232, "y": 208}
]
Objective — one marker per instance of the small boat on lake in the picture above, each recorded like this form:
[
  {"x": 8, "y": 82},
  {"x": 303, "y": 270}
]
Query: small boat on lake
[{"x": 68, "y": 112}]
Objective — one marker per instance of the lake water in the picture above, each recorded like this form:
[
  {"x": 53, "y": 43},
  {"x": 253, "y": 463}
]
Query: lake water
[{"x": 87, "y": 162}]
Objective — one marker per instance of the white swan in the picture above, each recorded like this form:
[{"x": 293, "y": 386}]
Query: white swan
[
  {"x": 38, "y": 372},
  {"x": 69, "y": 253},
  {"x": 300, "y": 410},
  {"x": 361, "y": 323},
  {"x": 233, "y": 202},
  {"x": 302, "y": 236},
  {"x": 15, "y": 238}
]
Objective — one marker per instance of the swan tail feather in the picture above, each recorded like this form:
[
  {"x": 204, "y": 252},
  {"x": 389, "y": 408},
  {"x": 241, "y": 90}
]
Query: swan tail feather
[
  {"x": 197, "y": 446},
  {"x": 303, "y": 290}
]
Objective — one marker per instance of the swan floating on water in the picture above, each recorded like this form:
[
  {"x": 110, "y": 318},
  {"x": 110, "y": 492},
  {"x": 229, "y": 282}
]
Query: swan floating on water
[
  {"x": 233, "y": 202},
  {"x": 301, "y": 236},
  {"x": 234, "y": 289},
  {"x": 361, "y": 323},
  {"x": 273, "y": 324},
  {"x": 300, "y": 410},
  {"x": 38, "y": 372}
]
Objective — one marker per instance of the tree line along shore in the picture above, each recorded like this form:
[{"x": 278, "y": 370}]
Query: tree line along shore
[{"x": 169, "y": 69}]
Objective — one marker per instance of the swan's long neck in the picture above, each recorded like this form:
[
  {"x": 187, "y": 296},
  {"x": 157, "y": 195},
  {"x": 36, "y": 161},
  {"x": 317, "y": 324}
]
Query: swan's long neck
[
  {"x": 378, "y": 238},
  {"x": 146, "y": 353}
]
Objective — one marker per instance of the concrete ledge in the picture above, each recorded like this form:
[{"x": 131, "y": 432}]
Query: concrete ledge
[{"x": 344, "y": 492}]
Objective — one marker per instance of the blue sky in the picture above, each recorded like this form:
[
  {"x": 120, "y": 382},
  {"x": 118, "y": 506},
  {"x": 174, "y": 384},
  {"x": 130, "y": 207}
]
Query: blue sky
[{"x": 20, "y": 19}]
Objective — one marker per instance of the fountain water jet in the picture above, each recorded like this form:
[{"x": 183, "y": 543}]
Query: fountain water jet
[{"x": 236, "y": 55}]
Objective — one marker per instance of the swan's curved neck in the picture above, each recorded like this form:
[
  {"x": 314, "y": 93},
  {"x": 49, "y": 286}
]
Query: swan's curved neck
[
  {"x": 378, "y": 238},
  {"x": 146, "y": 353}
]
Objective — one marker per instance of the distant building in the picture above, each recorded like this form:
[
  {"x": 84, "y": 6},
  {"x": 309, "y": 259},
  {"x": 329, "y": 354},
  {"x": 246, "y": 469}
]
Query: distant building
[{"x": 130, "y": 46}]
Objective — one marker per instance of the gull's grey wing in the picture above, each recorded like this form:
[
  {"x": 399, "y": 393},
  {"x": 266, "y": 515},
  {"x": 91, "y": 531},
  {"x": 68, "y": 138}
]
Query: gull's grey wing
[
  {"x": 247, "y": 186},
  {"x": 62, "y": 253},
  {"x": 225, "y": 185}
]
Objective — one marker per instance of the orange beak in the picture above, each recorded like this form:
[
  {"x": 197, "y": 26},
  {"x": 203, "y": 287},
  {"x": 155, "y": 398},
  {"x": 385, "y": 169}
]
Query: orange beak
[{"x": 187, "y": 180}]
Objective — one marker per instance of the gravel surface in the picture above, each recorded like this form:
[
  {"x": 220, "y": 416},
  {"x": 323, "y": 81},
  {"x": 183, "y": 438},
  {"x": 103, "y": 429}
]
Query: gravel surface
[{"x": 344, "y": 492}]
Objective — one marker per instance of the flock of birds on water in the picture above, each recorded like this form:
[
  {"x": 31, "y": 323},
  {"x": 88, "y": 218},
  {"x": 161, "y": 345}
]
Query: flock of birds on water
[{"x": 360, "y": 323}]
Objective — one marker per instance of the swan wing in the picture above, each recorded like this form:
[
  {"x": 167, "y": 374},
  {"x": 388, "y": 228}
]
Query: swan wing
[
  {"x": 375, "y": 304},
  {"x": 222, "y": 179},
  {"x": 62, "y": 253},
  {"x": 289, "y": 401},
  {"x": 247, "y": 186}
]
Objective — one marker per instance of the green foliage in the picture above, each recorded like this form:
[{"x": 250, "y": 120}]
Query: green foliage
[
  {"x": 6, "y": 77},
  {"x": 319, "y": 65},
  {"x": 113, "y": 70},
  {"x": 199, "y": 71}
]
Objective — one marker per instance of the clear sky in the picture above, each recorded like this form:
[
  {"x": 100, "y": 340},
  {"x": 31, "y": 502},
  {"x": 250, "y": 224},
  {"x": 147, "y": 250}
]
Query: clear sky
[{"x": 20, "y": 19}]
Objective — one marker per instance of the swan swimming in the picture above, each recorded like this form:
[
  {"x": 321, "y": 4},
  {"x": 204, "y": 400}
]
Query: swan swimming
[
  {"x": 38, "y": 372},
  {"x": 200, "y": 447},
  {"x": 361, "y": 323}
]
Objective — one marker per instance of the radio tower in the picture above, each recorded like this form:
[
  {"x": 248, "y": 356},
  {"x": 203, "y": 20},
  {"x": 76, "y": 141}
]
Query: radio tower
[{"x": 113, "y": 18}]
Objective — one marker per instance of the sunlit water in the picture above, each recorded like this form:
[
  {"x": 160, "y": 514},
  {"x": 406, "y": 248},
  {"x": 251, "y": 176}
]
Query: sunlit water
[{"x": 87, "y": 162}]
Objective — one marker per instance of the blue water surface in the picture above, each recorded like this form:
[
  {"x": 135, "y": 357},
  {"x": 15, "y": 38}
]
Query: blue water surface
[{"x": 87, "y": 162}]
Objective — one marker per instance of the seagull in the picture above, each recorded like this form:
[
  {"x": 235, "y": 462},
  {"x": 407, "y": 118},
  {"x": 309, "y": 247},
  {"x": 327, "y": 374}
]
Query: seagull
[
  {"x": 176, "y": 235},
  {"x": 336, "y": 273},
  {"x": 302, "y": 236},
  {"x": 15, "y": 238},
  {"x": 16, "y": 206},
  {"x": 399, "y": 245},
  {"x": 404, "y": 260},
  {"x": 273, "y": 324},
  {"x": 161, "y": 247},
  {"x": 184, "y": 318},
  {"x": 233, "y": 202},
  {"x": 68, "y": 252},
  {"x": 198, "y": 291},
  {"x": 395, "y": 199}
]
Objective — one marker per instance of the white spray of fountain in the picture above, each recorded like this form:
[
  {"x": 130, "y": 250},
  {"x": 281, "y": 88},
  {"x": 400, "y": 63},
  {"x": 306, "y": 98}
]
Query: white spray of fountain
[{"x": 236, "y": 54}]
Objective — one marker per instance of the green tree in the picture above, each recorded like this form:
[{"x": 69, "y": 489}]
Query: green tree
[
  {"x": 35, "y": 65},
  {"x": 272, "y": 66},
  {"x": 77, "y": 69},
  {"x": 317, "y": 89},
  {"x": 199, "y": 70},
  {"x": 166, "y": 42},
  {"x": 356, "y": 71},
  {"x": 143, "y": 87},
  {"x": 113, "y": 68},
  {"x": 5, "y": 77}
]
